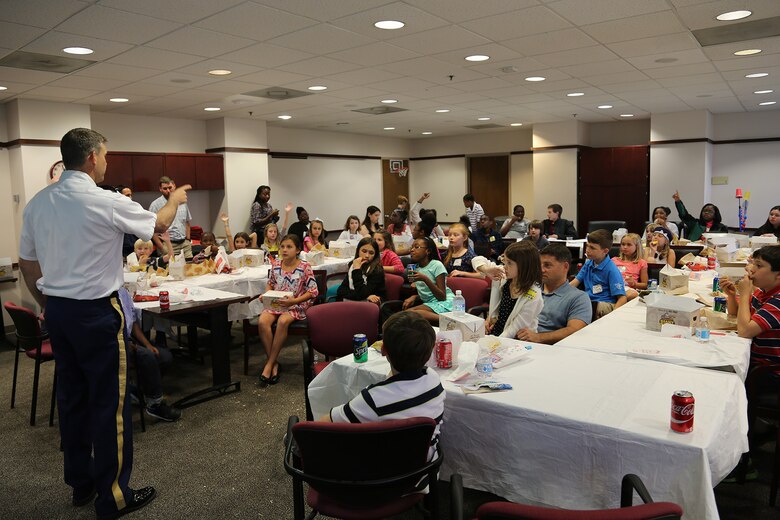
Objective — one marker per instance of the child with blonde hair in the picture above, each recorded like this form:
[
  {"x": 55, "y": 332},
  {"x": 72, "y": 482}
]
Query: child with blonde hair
[
  {"x": 632, "y": 264},
  {"x": 458, "y": 259}
]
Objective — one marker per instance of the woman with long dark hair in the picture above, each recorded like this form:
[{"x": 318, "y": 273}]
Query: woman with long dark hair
[
  {"x": 771, "y": 226},
  {"x": 370, "y": 223},
  {"x": 262, "y": 213},
  {"x": 709, "y": 220}
]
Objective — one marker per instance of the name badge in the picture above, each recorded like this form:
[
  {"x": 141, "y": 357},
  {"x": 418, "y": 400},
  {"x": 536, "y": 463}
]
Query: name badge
[
  {"x": 457, "y": 262},
  {"x": 492, "y": 239},
  {"x": 597, "y": 289}
]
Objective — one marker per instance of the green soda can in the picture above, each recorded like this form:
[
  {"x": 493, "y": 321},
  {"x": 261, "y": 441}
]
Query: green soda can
[
  {"x": 715, "y": 284},
  {"x": 360, "y": 348}
]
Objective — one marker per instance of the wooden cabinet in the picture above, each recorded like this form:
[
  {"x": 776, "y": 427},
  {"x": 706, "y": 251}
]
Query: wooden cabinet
[{"x": 142, "y": 171}]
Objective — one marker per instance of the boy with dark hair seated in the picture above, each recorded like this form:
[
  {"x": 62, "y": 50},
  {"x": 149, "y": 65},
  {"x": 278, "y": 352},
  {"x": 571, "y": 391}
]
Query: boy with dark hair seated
[
  {"x": 411, "y": 389},
  {"x": 601, "y": 277}
]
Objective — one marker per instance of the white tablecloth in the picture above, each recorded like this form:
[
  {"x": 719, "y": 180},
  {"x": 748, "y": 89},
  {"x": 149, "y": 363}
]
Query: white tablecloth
[
  {"x": 624, "y": 330},
  {"x": 249, "y": 281},
  {"x": 574, "y": 424}
]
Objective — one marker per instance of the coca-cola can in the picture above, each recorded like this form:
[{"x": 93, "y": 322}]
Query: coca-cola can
[
  {"x": 444, "y": 353},
  {"x": 711, "y": 262},
  {"x": 165, "y": 301},
  {"x": 682, "y": 411}
]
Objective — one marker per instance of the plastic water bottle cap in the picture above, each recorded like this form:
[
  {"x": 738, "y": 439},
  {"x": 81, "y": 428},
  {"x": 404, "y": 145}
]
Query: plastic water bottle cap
[{"x": 457, "y": 292}]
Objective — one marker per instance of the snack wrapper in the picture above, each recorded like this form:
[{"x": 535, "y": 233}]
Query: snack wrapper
[
  {"x": 176, "y": 267},
  {"x": 221, "y": 262}
]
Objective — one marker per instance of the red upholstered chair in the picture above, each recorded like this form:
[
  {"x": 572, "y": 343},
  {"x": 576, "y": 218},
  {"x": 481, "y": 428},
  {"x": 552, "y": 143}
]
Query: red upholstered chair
[
  {"x": 361, "y": 471},
  {"x": 331, "y": 328},
  {"x": 35, "y": 344},
  {"x": 474, "y": 290},
  {"x": 393, "y": 283},
  {"x": 648, "y": 510}
]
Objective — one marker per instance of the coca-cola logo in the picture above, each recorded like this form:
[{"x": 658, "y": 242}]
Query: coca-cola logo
[{"x": 683, "y": 409}]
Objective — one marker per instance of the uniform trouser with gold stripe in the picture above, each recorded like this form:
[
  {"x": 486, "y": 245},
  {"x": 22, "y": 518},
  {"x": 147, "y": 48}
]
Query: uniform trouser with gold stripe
[{"x": 88, "y": 340}]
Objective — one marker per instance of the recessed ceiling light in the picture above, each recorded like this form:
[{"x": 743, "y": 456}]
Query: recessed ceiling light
[
  {"x": 389, "y": 24},
  {"x": 212, "y": 109},
  {"x": 626, "y": 115},
  {"x": 747, "y": 52},
  {"x": 575, "y": 94},
  {"x": 220, "y": 72},
  {"x": 483, "y": 119},
  {"x": 389, "y": 128},
  {"x": 733, "y": 15},
  {"x": 119, "y": 100},
  {"x": 427, "y": 133},
  {"x": 77, "y": 50},
  {"x": 477, "y": 57},
  {"x": 767, "y": 91},
  {"x": 605, "y": 106},
  {"x": 535, "y": 78},
  {"x": 765, "y": 103},
  {"x": 442, "y": 110},
  {"x": 757, "y": 75},
  {"x": 284, "y": 116},
  {"x": 3, "y": 88},
  {"x": 389, "y": 101},
  {"x": 516, "y": 124},
  {"x": 318, "y": 87}
]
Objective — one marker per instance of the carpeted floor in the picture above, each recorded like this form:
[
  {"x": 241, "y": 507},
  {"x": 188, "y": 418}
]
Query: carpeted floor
[{"x": 223, "y": 459}]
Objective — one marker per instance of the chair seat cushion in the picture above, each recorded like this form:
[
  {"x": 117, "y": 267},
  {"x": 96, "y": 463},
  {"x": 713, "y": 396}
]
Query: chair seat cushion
[
  {"x": 319, "y": 366},
  {"x": 326, "y": 506},
  {"x": 46, "y": 352}
]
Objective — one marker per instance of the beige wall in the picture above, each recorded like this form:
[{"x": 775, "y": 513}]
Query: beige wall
[
  {"x": 521, "y": 183},
  {"x": 445, "y": 180},
  {"x": 619, "y": 133},
  {"x": 128, "y": 133}
]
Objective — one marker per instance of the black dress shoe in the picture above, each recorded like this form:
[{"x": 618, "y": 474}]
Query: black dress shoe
[
  {"x": 83, "y": 497},
  {"x": 139, "y": 498},
  {"x": 264, "y": 381}
]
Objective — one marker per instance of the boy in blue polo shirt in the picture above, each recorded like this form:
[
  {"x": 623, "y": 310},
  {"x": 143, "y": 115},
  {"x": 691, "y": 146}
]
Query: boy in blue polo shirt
[{"x": 601, "y": 278}]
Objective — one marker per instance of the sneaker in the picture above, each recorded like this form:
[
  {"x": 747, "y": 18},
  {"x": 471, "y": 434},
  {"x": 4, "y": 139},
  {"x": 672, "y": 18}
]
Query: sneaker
[
  {"x": 133, "y": 391},
  {"x": 164, "y": 412}
]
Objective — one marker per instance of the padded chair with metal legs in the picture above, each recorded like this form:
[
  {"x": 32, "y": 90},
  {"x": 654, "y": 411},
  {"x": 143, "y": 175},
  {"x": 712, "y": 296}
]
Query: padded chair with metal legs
[
  {"x": 648, "y": 510},
  {"x": 361, "y": 471},
  {"x": 609, "y": 225},
  {"x": 35, "y": 344}
]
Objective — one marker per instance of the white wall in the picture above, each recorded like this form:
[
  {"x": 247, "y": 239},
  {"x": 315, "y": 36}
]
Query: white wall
[
  {"x": 555, "y": 182},
  {"x": 746, "y": 125},
  {"x": 315, "y": 141},
  {"x": 678, "y": 167},
  {"x": 521, "y": 183},
  {"x": 445, "y": 179},
  {"x": 476, "y": 142},
  {"x": 128, "y": 133}
]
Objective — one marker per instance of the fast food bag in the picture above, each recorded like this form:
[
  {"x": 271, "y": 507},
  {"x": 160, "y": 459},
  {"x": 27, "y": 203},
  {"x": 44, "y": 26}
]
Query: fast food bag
[
  {"x": 222, "y": 261},
  {"x": 176, "y": 267},
  {"x": 720, "y": 320}
]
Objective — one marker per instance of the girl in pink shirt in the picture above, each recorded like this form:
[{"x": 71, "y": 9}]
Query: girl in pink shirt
[
  {"x": 632, "y": 264},
  {"x": 391, "y": 263}
]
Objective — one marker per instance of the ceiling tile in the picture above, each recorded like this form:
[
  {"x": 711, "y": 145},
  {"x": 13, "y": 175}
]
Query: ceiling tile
[
  {"x": 576, "y": 56},
  {"x": 273, "y": 77},
  {"x": 507, "y": 26},
  {"x": 159, "y": 59},
  {"x": 114, "y": 71},
  {"x": 496, "y": 52},
  {"x": 584, "y": 13},
  {"x": 318, "y": 66},
  {"x": 322, "y": 39},
  {"x": 254, "y": 21},
  {"x": 596, "y": 69},
  {"x": 680, "y": 70},
  {"x": 619, "y": 77},
  {"x": 552, "y": 41},
  {"x": 183, "y": 11},
  {"x": 14, "y": 35},
  {"x": 758, "y": 61},
  {"x": 726, "y": 51},
  {"x": 192, "y": 40},
  {"x": 202, "y": 68},
  {"x": 361, "y": 76},
  {"x": 374, "y": 54},
  {"x": 83, "y": 82},
  {"x": 440, "y": 40},
  {"x": 664, "y": 22},
  {"x": 415, "y": 19},
  {"x": 147, "y": 90},
  {"x": 178, "y": 79},
  {"x": 61, "y": 93},
  {"x": 632, "y": 86},
  {"x": 701, "y": 16},
  {"x": 111, "y": 24},
  {"x": 35, "y": 77},
  {"x": 323, "y": 11},
  {"x": 40, "y": 13},
  {"x": 53, "y": 42},
  {"x": 681, "y": 58},
  {"x": 461, "y": 10},
  {"x": 655, "y": 45},
  {"x": 401, "y": 84},
  {"x": 265, "y": 55}
]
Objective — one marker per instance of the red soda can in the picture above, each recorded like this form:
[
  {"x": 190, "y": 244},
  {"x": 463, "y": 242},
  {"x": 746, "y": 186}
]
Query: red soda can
[
  {"x": 444, "y": 353},
  {"x": 711, "y": 262},
  {"x": 165, "y": 301},
  {"x": 682, "y": 411}
]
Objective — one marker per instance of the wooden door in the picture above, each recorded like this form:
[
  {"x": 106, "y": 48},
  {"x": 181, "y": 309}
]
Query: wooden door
[
  {"x": 393, "y": 185},
  {"x": 614, "y": 184},
  {"x": 489, "y": 183}
]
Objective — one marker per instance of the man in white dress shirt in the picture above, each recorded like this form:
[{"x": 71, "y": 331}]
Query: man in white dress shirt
[
  {"x": 180, "y": 228},
  {"x": 71, "y": 258}
]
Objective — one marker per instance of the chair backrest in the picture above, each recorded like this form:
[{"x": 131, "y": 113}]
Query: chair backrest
[
  {"x": 474, "y": 290},
  {"x": 393, "y": 283},
  {"x": 28, "y": 328},
  {"x": 321, "y": 275},
  {"x": 510, "y": 511},
  {"x": 332, "y": 325},
  {"x": 357, "y": 463},
  {"x": 609, "y": 225}
]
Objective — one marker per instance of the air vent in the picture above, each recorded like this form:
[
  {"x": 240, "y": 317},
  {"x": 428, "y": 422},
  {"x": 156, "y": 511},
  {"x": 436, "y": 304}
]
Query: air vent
[
  {"x": 43, "y": 62},
  {"x": 483, "y": 127},
  {"x": 277, "y": 93},
  {"x": 737, "y": 32},
  {"x": 377, "y": 111}
]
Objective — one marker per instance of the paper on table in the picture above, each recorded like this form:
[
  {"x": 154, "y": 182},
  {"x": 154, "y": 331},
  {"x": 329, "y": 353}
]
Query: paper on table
[
  {"x": 669, "y": 330},
  {"x": 467, "y": 360}
]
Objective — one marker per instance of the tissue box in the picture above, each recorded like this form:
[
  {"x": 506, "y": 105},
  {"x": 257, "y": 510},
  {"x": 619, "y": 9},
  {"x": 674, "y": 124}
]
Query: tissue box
[
  {"x": 471, "y": 327},
  {"x": 755, "y": 242},
  {"x": 341, "y": 249},
  {"x": 271, "y": 298},
  {"x": 673, "y": 281},
  {"x": 663, "y": 309},
  {"x": 313, "y": 257},
  {"x": 6, "y": 267}
]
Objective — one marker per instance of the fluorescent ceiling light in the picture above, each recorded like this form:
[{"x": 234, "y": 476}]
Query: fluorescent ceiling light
[
  {"x": 284, "y": 116},
  {"x": 318, "y": 87},
  {"x": 733, "y": 15},
  {"x": 77, "y": 50},
  {"x": 389, "y": 101},
  {"x": 747, "y": 52},
  {"x": 767, "y": 91},
  {"x": 604, "y": 106},
  {"x": 575, "y": 94},
  {"x": 119, "y": 100},
  {"x": 389, "y": 128},
  {"x": 442, "y": 110},
  {"x": 757, "y": 75},
  {"x": 212, "y": 109},
  {"x": 427, "y": 133},
  {"x": 766, "y": 103},
  {"x": 389, "y": 24},
  {"x": 516, "y": 124},
  {"x": 477, "y": 57},
  {"x": 220, "y": 72},
  {"x": 626, "y": 115},
  {"x": 483, "y": 119},
  {"x": 535, "y": 78}
]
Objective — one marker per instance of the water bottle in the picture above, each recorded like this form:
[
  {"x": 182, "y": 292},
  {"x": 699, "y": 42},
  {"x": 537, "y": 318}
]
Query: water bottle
[
  {"x": 459, "y": 304},
  {"x": 703, "y": 330}
]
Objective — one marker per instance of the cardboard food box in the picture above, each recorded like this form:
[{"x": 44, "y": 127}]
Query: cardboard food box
[
  {"x": 726, "y": 252},
  {"x": 313, "y": 257},
  {"x": 402, "y": 241},
  {"x": 471, "y": 327},
  {"x": 757, "y": 242},
  {"x": 341, "y": 249},
  {"x": 6, "y": 267},
  {"x": 271, "y": 298},
  {"x": 663, "y": 309},
  {"x": 673, "y": 281},
  {"x": 245, "y": 258}
]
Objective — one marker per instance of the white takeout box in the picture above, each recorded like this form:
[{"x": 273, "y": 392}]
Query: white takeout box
[
  {"x": 341, "y": 249},
  {"x": 673, "y": 281},
  {"x": 402, "y": 240},
  {"x": 471, "y": 327},
  {"x": 176, "y": 267},
  {"x": 6, "y": 267},
  {"x": 756, "y": 242},
  {"x": 245, "y": 258},
  {"x": 665, "y": 309},
  {"x": 271, "y": 298},
  {"x": 726, "y": 252},
  {"x": 313, "y": 257}
]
